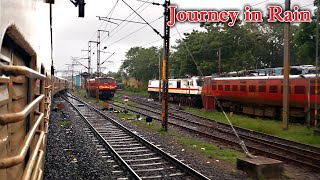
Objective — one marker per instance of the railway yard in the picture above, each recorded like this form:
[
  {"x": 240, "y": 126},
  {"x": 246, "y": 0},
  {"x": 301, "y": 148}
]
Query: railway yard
[
  {"x": 140, "y": 99},
  {"x": 146, "y": 160}
]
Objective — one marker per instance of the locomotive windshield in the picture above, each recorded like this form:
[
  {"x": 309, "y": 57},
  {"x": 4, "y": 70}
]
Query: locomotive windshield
[
  {"x": 106, "y": 80},
  {"x": 199, "y": 82}
]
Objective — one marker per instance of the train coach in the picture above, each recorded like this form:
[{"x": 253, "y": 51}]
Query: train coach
[
  {"x": 261, "y": 95},
  {"x": 105, "y": 87},
  {"x": 26, "y": 90},
  {"x": 183, "y": 90}
]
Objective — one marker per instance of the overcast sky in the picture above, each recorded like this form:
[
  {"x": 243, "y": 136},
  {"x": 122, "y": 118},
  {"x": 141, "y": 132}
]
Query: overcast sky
[{"x": 71, "y": 33}]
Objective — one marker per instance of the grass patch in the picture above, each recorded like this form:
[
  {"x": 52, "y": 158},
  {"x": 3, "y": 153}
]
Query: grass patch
[
  {"x": 210, "y": 151},
  {"x": 297, "y": 132},
  {"x": 119, "y": 99},
  {"x": 133, "y": 91},
  {"x": 125, "y": 116},
  {"x": 65, "y": 123},
  {"x": 80, "y": 92}
]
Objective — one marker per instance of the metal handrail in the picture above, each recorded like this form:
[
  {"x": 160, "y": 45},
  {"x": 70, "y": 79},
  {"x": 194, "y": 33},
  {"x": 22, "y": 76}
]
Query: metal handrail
[
  {"x": 19, "y": 116},
  {"x": 15, "y": 160},
  {"x": 20, "y": 71},
  {"x": 36, "y": 171},
  {"x": 48, "y": 87},
  {"x": 32, "y": 159},
  {"x": 40, "y": 175}
]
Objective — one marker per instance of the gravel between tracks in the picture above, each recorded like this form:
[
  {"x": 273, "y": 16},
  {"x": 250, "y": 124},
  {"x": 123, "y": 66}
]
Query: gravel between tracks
[
  {"x": 60, "y": 162},
  {"x": 71, "y": 154},
  {"x": 209, "y": 167}
]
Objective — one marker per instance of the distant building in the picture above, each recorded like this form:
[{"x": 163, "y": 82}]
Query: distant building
[{"x": 78, "y": 81}]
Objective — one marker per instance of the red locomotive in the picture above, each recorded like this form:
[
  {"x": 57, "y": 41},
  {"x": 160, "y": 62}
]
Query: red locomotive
[
  {"x": 261, "y": 95},
  {"x": 105, "y": 87}
]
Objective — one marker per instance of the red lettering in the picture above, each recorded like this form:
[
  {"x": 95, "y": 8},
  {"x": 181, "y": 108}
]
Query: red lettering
[
  {"x": 233, "y": 16},
  {"x": 203, "y": 16},
  {"x": 247, "y": 14},
  {"x": 287, "y": 16},
  {"x": 305, "y": 16},
  {"x": 224, "y": 16},
  {"x": 181, "y": 16},
  {"x": 213, "y": 16},
  {"x": 172, "y": 10},
  {"x": 275, "y": 12},
  {"x": 193, "y": 16}
]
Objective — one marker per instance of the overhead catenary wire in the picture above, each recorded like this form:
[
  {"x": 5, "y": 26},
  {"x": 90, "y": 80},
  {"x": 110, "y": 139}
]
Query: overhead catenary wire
[
  {"x": 109, "y": 14},
  {"x": 125, "y": 23},
  {"x": 133, "y": 32},
  {"x": 51, "y": 38},
  {"x": 156, "y": 31},
  {"x": 153, "y": 3},
  {"x": 187, "y": 48}
]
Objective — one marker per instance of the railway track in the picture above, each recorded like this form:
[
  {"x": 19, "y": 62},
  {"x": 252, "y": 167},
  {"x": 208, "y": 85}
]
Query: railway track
[
  {"x": 140, "y": 158},
  {"x": 262, "y": 144}
]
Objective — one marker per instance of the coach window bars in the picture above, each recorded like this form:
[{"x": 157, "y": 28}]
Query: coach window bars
[{"x": 36, "y": 157}]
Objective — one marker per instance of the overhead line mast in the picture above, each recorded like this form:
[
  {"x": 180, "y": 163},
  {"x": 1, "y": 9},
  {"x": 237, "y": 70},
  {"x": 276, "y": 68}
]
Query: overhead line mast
[
  {"x": 165, "y": 69},
  {"x": 286, "y": 66}
]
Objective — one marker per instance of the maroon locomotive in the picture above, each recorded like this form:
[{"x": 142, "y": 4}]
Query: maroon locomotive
[
  {"x": 261, "y": 95},
  {"x": 105, "y": 87}
]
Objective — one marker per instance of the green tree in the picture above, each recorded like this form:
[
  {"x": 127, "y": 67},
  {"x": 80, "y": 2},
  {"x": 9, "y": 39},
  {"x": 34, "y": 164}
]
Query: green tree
[{"x": 141, "y": 63}]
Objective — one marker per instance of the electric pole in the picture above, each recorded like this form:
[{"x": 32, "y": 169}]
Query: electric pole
[
  {"x": 98, "y": 51},
  {"x": 286, "y": 66},
  {"x": 89, "y": 59},
  {"x": 219, "y": 60},
  {"x": 97, "y": 89},
  {"x": 317, "y": 70},
  {"x": 159, "y": 77},
  {"x": 165, "y": 69}
]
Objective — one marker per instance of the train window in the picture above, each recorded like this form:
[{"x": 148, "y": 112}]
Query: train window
[
  {"x": 262, "y": 88},
  {"x": 191, "y": 83},
  {"x": 106, "y": 80},
  {"x": 220, "y": 87},
  {"x": 214, "y": 87},
  {"x": 252, "y": 88},
  {"x": 227, "y": 87},
  {"x": 313, "y": 90},
  {"x": 299, "y": 89},
  {"x": 273, "y": 89},
  {"x": 234, "y": 88},
  {"x": 282, "y": 90},
  {"x": 243, "y": 88},
  {"x": 200, "y": 82},
  {"x": 178, "y": 84}
]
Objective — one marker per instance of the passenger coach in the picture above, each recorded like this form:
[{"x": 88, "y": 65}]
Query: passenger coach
[{"x": 262, "y": 95}]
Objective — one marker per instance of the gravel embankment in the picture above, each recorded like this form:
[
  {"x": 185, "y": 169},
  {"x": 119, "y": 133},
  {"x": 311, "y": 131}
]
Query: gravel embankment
[{"x": 71, "y": 154}]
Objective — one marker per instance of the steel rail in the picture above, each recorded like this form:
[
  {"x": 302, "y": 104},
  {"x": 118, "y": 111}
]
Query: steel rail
[
  {"x": 312, "y": 155},
  {"x": 260, "y": 151},
  {"x": 184, "y": 167},
  {"x": 131, "y": 171},
  {"x": 246, "y": 130}
]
